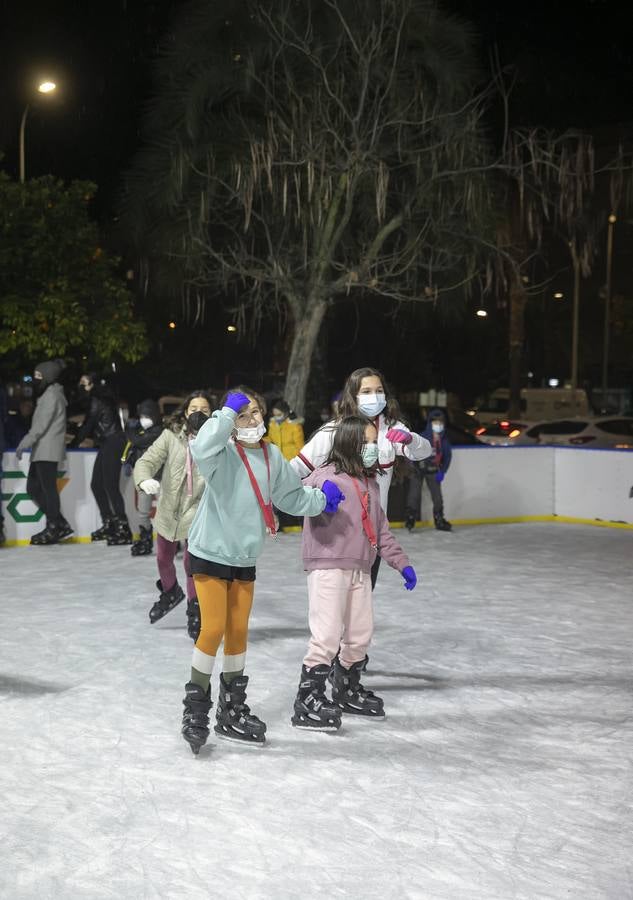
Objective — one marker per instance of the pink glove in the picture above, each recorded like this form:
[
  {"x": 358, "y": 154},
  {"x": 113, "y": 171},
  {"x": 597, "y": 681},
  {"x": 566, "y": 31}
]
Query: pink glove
[{"x": 399, "y": 436}]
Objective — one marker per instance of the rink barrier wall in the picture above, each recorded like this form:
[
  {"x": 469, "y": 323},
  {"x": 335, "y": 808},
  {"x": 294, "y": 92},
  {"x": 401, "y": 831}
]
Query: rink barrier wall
[{"x": 484, "y": 486}]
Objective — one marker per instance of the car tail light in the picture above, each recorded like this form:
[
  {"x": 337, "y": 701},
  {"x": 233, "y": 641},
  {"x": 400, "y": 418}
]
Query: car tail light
[
  {"x": 504, "y": 424},
  {"x": 583, "y": 439},
  {"x": 514, "y": 433},
  {"x": 623, "y": 446},
  {"x": 480, "y": 431}
]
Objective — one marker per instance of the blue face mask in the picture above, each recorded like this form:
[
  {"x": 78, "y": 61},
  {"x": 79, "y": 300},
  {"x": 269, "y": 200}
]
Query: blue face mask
[
  {"x": 371, "y": 404},
  {"x": 370, "y": 455}
]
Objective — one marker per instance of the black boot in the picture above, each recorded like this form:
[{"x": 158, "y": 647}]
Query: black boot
[
  {"x": 63, "y": 528},
  {"x": 48, "y": 535},
  {"x": 193, "y": 618},
  {"x": 102, "y": 534},
  {"x": 3, "y": 536},
  {"x": 350, "y": 695},
  {"x": 409, "y": 523},
  {"x": 312, "y": 708},
  {"x": 166, "y": 601},
  {"x": 440, "y": 522},
  {"x": 195, "y": 719},
  {"x": 234, "y": 719},
  {"x": 120, "y": 533},
  {"x": 143, "y": 547}
]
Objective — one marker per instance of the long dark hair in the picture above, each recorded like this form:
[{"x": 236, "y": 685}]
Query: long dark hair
[
  {"x": 347, "y": 447},
  {"x": 179, "y": 418},
  {"x": 348, "y": 404}
]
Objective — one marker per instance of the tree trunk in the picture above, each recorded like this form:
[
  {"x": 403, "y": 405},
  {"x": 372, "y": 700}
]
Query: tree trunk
[
  {"x": 306, "y": 332},
  {"x": 518, "y": 299}
]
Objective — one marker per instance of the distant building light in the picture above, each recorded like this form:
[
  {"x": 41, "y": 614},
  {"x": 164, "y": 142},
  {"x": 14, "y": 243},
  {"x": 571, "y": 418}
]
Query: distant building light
[
  {"x": 482, "y": 313},
  {"x": 553, "y": 382},
  {"x": 558, "y": 295},
  {"x": 231, "y": 328},
  {"x": 172, "y": 325}
]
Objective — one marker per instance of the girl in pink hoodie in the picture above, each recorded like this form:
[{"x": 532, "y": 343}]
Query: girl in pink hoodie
[{"x": 338, "y": 553}]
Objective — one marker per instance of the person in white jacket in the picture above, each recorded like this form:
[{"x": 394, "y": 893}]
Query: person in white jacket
[{"x": 367, "y": 392}]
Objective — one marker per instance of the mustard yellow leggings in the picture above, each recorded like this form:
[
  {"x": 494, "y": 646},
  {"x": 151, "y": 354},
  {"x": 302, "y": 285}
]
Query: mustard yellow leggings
[{"x": 225, "y": 607}]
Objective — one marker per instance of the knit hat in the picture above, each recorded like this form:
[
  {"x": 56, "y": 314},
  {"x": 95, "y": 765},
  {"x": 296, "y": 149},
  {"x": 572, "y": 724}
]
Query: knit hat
[{"x": 51, "y": 370}]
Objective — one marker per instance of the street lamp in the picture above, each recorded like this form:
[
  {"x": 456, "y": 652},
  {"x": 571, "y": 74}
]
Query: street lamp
[
  {"x": 607, "y": 314},
  {"x": 44, "y": 87}
]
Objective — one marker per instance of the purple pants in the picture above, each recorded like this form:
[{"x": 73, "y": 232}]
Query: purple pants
[{"x": 165, "y": 555}]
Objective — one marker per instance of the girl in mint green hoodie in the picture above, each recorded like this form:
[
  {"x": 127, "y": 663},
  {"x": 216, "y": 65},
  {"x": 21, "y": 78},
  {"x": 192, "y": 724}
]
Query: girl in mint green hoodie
[{"x": 244, "y": 478}]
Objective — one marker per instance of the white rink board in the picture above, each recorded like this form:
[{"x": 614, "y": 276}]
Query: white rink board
[
  {"x": 497, "y": 482},
  {"x": 78, "y": 504},
  {"x": 483, "y": 483},
  {"x": 594, "y": 484}
]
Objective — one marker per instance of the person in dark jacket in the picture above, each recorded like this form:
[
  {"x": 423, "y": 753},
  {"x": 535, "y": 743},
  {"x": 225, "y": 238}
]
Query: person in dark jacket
[
  {"x": 140, "y": 433},
  {"x": 432, "y": 471},
  {"x": 46, "y": 439},
  {"x": 103, "y": 426}
]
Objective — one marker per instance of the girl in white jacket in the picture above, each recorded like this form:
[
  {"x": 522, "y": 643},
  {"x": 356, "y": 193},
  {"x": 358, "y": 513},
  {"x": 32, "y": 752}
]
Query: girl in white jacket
[{"x": 366, "y": 392}]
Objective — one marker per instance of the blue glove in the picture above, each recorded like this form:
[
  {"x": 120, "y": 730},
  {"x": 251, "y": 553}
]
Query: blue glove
[
  {"x": 439, "y": 477},
  {"x": 410, "y": 578},
  {"x": 333, "y": 496},
  {"x": 236, "y": 401}
]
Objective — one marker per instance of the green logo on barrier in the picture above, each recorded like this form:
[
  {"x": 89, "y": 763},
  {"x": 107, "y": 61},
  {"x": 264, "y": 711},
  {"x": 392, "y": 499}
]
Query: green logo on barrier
[{"x": 13, "y": 500}]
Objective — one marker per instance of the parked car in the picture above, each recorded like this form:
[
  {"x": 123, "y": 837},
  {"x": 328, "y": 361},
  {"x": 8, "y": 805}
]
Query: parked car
[
  {"x": 501, "y": 433},
  {"x": 460, "y": 437},
  {"x": 602, "y": 432}
]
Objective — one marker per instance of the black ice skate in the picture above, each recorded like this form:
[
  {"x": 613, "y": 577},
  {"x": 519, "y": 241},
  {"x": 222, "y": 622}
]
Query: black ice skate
[
  {"x": 47, "y": 535},
  {"x": 409, "y": 523},
  {"x": 350, "y": 695},
  {"x": 102, "y": 534},
  {"x": 193, "y": 618},
  {"x": 63, "y": 529},
  {"x": 441, "y": 524},
  {"x": 313, "y": 710},
  {"x": 195, "y": 719},
  {"x": 143, "y": 546},
  {"x": 166, "y": 601},
  {"x": 119, "y": 534},
  {"x": 234, "y": 719}
]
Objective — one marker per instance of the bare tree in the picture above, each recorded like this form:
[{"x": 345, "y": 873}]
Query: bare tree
[{"x": 338, "y": 152}]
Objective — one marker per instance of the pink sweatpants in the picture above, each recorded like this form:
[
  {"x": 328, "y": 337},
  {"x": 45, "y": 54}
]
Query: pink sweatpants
[{"x": 340, "y": 614}]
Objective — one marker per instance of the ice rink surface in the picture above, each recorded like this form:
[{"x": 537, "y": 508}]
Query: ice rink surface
[{"x": 502, "y": 771}]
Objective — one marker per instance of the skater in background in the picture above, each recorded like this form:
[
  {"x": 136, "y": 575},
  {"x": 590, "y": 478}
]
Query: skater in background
[
  {"x": 338, "y": 554},
  {"x": 244, "y": 477},
  {"x": 285, "y": 430},
  {"x": 46, "y": 440},
  {"x": 431, "y": 471},
  {"x": 367, "y": 393},
  {"x": 103, "y": 427},
  {"x": 140, "y": 433},
  {"x": 181, "y": 487}
]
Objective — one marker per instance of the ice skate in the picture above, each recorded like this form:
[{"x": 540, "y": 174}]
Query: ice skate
[
  {"x": 143, "y": 546},
  {"x": 47, "y": 535},
  {"x": 195, "y": 719},
  {"x": 193, "y": 618},
  {"x": 441, "y": 524},
  {"x": 63, "y": 529},
  {"x": 102, "y": 534},
  {"x": 312, "y": 709},
  {"x": 119, "y": 534},
  {"x": 234, "y": 719},
  {"x": 166, "y": 601},
  {"x": 409, "y": 523},
  {"x": 349, "y": 694}
]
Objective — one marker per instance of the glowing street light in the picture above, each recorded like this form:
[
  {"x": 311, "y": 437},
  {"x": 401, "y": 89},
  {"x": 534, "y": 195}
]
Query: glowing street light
[
  {"x": 482, "y": 313},
  {"x": 231, "y": 328},
  {"x": 558, "y": 295},
  {"x": 44, "y": 87}
]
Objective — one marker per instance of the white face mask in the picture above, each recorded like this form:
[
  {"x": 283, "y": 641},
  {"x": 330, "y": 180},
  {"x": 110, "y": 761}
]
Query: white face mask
[
  {"x": 146, "y": 422},
  {"x": 437, "y": 427},
  {"x": 251, "y": 435},
  {"x": 371, "y": 404}
]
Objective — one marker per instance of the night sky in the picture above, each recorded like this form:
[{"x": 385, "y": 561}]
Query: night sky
[{"x": 573, "y": 66}]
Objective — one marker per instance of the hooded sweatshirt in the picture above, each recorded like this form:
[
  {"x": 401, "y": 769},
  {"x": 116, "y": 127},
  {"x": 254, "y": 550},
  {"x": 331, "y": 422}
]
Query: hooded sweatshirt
[
  {"x": 229, "y": 527},
  {"x": 339, "y": 541}
]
